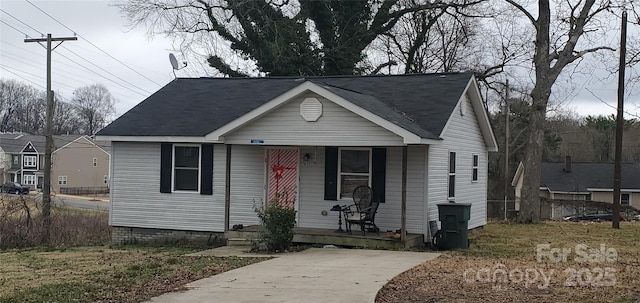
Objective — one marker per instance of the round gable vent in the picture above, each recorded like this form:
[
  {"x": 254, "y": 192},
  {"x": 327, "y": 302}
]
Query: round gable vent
[{"x": 310, "y": 109}]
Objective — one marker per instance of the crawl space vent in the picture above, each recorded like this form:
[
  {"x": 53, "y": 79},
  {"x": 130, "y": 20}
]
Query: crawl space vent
[{"x": 310, "y": 109}]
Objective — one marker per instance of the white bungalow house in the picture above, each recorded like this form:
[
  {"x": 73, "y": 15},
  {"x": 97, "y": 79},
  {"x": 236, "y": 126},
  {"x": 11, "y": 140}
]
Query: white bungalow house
[{"x": 196, "y": 156}]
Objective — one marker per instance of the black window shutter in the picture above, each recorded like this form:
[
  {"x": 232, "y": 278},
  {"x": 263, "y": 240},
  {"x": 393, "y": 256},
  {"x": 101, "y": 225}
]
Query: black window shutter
[
  {"x": 378, "y": 173},
  {"x": 166, "y": 150},
  {"x": 206, "y": 173},
  {"x": 331, "y": 173}
]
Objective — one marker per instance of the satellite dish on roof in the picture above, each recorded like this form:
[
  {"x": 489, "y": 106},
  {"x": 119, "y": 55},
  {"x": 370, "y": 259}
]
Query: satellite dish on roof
[
  {"x": 175, "y": 65},
  {"x": 174, "y": 61}
]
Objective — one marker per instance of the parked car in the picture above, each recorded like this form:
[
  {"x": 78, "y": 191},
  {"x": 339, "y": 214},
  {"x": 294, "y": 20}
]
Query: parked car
[
  {"x": 595, "y": 215},
  {"x": 15, "y": 188}
]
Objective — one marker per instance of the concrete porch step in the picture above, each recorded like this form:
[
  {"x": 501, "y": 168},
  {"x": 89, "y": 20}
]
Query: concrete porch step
[
  {"x": 238, "y": 242},
  {"x": 240, "y": 234}
]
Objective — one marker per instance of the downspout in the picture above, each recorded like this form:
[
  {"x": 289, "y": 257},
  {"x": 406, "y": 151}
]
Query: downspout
[
  {"x": 227, "y": 189},
  {"x": 403, "y": 222}
]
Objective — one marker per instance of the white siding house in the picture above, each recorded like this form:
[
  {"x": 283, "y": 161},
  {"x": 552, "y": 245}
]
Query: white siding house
[{"x": 303, "y": 138}]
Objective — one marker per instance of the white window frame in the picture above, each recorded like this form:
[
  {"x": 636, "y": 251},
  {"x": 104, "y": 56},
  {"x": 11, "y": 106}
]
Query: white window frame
[
  {"x": 62, "y": 180},
  {"x": 30, "y": 161},
  {"x": 16, "y": 160},
  {"x": 451, "y": 174},
  {"x": 370, "y": 150},
  {"x": 95, "y": 162},
  {"x": 173, "y": 168},
  {"x": 475, "y": 164},
  {"x": 32, "y": 179},
  {"x": 106, "y": 179}
]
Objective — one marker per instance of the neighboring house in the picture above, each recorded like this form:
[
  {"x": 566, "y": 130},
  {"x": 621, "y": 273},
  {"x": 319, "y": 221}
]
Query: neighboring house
[
  {"x": 580, "y": 181},
  {"x": 72, "y": 157},
  {"x": 199, "y": 154},
  {"x": 80, "y": 166}
]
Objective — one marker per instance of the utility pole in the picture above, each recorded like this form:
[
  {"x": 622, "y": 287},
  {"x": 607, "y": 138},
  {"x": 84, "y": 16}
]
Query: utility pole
[
  {"x": 46, "y": 186},
  {"x": 617, "y": 182},
  {"x": 507, "y": 111}
]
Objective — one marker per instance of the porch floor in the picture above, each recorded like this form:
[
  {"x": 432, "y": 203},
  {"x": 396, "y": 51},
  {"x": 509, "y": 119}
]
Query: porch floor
[{"x": 331, "y": 236}]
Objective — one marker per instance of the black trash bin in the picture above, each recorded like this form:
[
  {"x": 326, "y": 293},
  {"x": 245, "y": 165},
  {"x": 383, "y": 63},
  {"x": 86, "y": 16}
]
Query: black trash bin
[{"x": 454, "y": 223}]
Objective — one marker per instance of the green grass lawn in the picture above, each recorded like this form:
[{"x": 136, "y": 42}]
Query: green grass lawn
[{"x": 103, "y": 274}]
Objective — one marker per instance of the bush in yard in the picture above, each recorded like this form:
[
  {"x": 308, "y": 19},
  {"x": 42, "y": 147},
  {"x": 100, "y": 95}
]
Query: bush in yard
[{"x": 278, "y": 221}]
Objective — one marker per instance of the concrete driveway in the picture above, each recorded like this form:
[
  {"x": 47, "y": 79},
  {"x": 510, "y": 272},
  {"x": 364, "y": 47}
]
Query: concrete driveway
[{"x": 313, "y": 275}]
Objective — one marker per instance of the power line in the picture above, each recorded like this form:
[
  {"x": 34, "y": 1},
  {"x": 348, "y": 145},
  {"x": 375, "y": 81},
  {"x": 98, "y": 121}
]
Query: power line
[
  {"x": 23, "y": 78},
  {"x": 106, "y": 71},
  {"x": 609, "y": 105},
  {"x": 11, "y": 26},
  {"x": 34, "y": 75},
  {"x": 100, "y": 75},
  {"x": 27, "y": 25},
  {"x": 127, "y": 82},
  {"x": 79, "y": 79},
  {"x": 91, "y": 43}
]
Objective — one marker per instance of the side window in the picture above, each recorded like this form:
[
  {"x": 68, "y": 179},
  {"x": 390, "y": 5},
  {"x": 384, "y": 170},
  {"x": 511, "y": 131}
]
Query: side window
[
  {"x": 452, "y": 175},
  {"x": 474, "y": 169},
  {"x": 62, "y": 180},
  {"x": 186, "y": 168},
  {"x": 625, "y": 198},
  {"x": 95, "y": 162}
]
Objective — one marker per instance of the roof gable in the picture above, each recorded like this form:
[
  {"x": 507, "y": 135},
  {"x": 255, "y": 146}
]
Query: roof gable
[
  {"x": 199, "y": 107},
  {"x": 478, "y": 109},
  {"x": 398, "y": 125},
  {"x": 29, "y": 148}
]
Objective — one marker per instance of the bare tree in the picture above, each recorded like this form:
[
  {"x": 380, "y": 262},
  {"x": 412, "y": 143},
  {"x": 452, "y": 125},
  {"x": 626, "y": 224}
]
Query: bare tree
[
  {"x": 572, "y": 21},
  {"x": 94, "y": 106},
  {"x": 280, "y": 37},
  {"x": 65, "y": 118},
  {"x": 21, "y": 107}
]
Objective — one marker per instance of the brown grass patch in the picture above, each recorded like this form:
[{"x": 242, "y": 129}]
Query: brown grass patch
[
  {"x": 21, "y": 224},
  {"x": 102, "y": 274},
  {"x": 474, "y": 275}
]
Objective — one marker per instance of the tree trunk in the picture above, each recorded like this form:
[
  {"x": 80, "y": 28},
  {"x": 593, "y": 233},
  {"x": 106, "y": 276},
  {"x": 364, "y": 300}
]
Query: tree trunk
[{"x": 530, "y": 201}]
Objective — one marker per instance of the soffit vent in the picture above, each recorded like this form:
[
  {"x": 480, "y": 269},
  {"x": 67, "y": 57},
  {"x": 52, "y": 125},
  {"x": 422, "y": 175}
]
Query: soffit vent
[{"x": 311, "y": 109}]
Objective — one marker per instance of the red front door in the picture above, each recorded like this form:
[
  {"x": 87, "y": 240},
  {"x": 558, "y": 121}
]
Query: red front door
[{"x": 282, "y": 171}]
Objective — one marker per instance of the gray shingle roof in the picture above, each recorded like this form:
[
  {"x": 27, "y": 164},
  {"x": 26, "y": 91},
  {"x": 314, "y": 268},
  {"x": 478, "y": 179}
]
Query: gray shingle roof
[
  {"x": 14, "y": 143},
  {"x": 419, "y": 103},
  {"x": 587, "y": 175}
]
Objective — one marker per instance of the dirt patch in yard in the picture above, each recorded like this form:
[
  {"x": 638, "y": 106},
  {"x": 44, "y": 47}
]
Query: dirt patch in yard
[{"x": 502, "y": 266}]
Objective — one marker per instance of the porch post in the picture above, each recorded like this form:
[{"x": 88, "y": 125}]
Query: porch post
[
  {"x": 403, "y": 222},
  {"x": 227, "y": 189}
]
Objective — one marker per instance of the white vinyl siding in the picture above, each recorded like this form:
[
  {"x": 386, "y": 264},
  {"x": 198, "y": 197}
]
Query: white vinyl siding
[
  {"x": 247, "y": 183},
  {"x": 285, "y": 126},
  {"x": 136, "y": 200},
  {"x": 312, "y": 202},
  {"x": 461, "y": 135}
]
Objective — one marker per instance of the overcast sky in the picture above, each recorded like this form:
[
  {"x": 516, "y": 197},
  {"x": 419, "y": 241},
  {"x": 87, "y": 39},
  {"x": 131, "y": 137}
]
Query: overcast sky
[{"x": 142, "y": 64}]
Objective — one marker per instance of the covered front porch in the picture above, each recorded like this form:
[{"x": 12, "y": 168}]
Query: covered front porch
[
  {"x": 308, "y": 235},
  {"x": 311, "y": 174}
]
